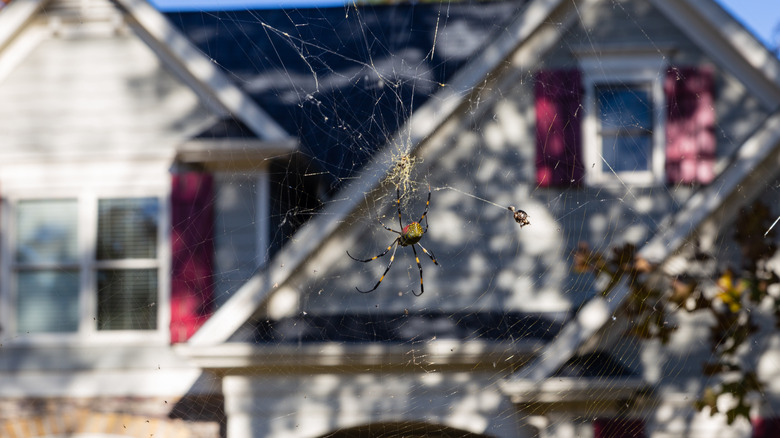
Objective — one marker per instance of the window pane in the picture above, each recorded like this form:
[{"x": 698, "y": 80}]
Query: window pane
[
  {"x": 48, "y": 301},
  {"x": 626, "y": 154},
  {"x": 625, "y": 107},
  {"x": 127, "y": 299},
  {"x": 46, "y": 231},
  {"x": 127, "y": 228}
]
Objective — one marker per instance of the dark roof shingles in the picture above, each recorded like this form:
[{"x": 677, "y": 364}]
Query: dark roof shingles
[{"x": 344, "y": 79}]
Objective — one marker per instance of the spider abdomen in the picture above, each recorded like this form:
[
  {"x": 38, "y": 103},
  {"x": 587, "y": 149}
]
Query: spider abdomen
[{"x": 411, "y": 234}]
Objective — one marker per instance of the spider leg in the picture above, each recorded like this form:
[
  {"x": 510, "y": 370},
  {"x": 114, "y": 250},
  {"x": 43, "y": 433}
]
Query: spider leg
[
  {"x": 419, "y": 266},
  {"x": 429, "y": 254},
  {"x": 375, "y": 257},
  {"x": 425, "y": 213},
  {"x": 392, "y": 257},
  {"x": 389, "y": 229}
]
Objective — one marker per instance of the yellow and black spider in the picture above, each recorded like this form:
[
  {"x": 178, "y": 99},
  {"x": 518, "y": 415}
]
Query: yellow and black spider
[{"x": 409, "y": 235}]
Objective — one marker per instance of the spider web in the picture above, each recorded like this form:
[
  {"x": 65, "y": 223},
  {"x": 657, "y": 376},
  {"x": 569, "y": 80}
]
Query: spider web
[{"x": 354, "y": 84}]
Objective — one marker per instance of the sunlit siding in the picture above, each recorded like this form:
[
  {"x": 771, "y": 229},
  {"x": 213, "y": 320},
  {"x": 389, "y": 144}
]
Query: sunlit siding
[
  {"x": 640, "y": 27},
  {"x": 94, "y": 96}
]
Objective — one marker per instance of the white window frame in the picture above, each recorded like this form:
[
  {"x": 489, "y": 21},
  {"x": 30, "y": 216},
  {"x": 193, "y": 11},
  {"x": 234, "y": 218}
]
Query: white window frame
[
  {"x": 621, "y": 69},
  {"x": 87, "y": 197}
]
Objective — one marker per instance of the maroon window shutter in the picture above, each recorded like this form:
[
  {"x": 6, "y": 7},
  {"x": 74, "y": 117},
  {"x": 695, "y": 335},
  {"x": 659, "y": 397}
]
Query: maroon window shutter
[
  {"x": 558, "y": 95},
  {"x": 766, "y": 427},
  {"x": 690, "y": 125},
  {"x": 192, "y": 251},
  {"x": 618, "y": 428}
]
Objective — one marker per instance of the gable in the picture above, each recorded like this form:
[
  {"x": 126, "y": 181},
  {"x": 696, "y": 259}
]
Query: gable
[{"x": 89, "y": 90}]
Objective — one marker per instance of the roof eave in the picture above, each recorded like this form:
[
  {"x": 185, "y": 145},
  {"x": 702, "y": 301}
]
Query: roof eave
[
  {"x": 232, "y": 152},
  {"x": 332, "y": 355},
  {"x": 575, "y": 390}
]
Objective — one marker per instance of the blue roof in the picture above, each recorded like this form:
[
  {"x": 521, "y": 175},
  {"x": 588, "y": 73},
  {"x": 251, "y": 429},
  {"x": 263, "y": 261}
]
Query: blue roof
[{"x": 343, "y": 80}]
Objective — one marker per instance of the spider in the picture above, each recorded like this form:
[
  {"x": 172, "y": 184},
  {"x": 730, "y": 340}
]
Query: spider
[
  {"x": 409, "y": 235},
  {"x": 520, "y": 216}
]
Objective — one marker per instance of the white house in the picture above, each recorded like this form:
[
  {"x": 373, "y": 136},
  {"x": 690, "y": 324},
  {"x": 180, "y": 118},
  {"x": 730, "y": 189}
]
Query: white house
[{"x": 180, "y": 190}]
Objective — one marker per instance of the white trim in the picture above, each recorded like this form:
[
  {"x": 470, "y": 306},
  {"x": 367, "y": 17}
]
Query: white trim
[
  {"x": 87, "y": 231},
  {"x": 19, "y": 48},
  {"x": 422, "y": 124},
  {"x": 643, "y": 70},
  {"x": 232, "y": 152},
  {"x": 573, "y": 389},
  {"x": 337, "y": 355},
  {"x": 15, "y": 16},
  {"x": 262, "y": 217}
]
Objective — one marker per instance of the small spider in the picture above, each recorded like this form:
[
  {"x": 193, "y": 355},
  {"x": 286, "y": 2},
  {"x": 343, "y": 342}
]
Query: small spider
[
  {"x": 520, "y": 216},
  {"x": 409, "y": 235}
]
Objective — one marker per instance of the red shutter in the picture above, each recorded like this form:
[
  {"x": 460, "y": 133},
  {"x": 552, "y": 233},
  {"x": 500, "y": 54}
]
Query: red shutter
[
  {"x": 766, "y": 427},
  {"x": 618, "y": 428},
  {"x": 558, "y": 96},
  {"x": 192, "y": 250},
  {"x": 690, "y": 125}
]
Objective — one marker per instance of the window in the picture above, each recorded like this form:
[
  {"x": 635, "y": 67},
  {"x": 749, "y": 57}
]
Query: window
[
  {"x": 47, "y": 266},
  {"x": 624, "y": 114},
  {"x": 126, "y": 264},
  {"x": 624, "y": 119},
  {"x": 85, "y": 265}
]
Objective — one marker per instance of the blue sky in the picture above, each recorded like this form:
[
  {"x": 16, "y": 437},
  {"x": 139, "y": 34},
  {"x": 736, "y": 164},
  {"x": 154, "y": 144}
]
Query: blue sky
[{"x": 761, "y": 16}]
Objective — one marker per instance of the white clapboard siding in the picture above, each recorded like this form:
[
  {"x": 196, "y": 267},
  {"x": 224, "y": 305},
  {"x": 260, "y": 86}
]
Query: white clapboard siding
[{"x": 93, "y": 93}]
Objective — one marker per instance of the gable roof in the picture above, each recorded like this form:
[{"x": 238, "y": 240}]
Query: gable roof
[
  {"x": 727, "y": 42},
  {"x": 343, "y": 79},
  {"x": 209, "y": 82},
  {"x": 754, "y": 163}
]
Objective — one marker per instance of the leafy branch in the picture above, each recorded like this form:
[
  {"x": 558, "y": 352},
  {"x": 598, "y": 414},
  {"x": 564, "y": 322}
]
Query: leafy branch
[{"x": 730, "y": 298}]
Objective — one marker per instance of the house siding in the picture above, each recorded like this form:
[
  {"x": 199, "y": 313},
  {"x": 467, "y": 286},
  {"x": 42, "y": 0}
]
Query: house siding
[
  {"x": 94, "y": 97},
  {"x": 261, "y": 406}
]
